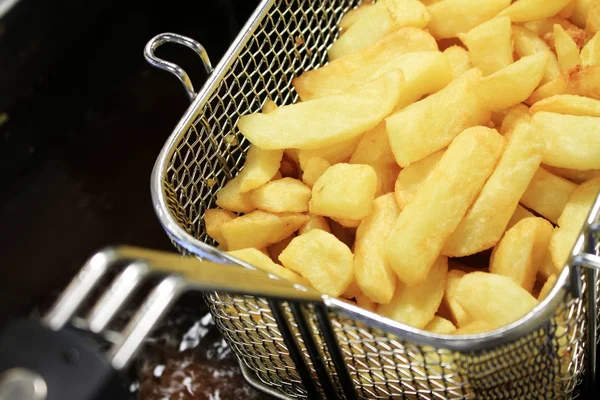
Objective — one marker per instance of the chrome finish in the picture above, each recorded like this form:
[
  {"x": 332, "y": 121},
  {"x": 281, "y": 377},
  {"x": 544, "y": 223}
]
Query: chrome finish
[{"x": 22, "y": 384}]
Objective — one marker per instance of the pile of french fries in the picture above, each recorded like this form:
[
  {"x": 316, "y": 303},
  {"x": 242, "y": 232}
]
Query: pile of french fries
[{"x": 437, "y": 170}]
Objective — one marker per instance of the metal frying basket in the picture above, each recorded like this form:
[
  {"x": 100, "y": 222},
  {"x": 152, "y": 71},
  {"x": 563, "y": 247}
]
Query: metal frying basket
[{"x": 294, "y": 350}]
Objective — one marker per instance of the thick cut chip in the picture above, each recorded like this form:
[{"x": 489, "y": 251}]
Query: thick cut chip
[
  {"x": 490, "y": 45},
  {"x": 214, "y": 220},
  {"x": 260, "y": 229},
  {"x": 344, "y": 191},
  {"x": 581, "y": 12},
  {"x": 547, "y": 194},
  {"x": 545, "y": 27},
  {"x": 457, "y": 313},
  {"x": 374, "y": 148},
  {"x": 269, "y": 106},
  {"x": 283, "y": 195},
  {"x": 365, "y": 65},
  {"x": 440, "y": 325},
  {"x": 354, "y": 15},
  {"x": 459, "y": 59},
  {"x": 571, "y": 141},
  {"x": 372, "y": 271},
  {"x": 452, "y": 17},
  {"x": 568, "y": 104},
  {"x": 260, "y": 167},
  {"x": 552, "y": 88},
  {"x": 474, "y": 327},
  {"x": 486, "y": 220},
  {"x": 590, "y": 54},
  {"x": 259, "y": 260},
  {"x": 592, "y": 24},
  {"x": 515, "y": 116},
  {"x": 528, "y": 43},
  {"x": 496, "y": 299},
  {"x": 386, "y": 175},
  {"x": 339, "y": 152},
  {"x": 574, "y": 175},
  {"x": 322, "y": 259},
  {"x": 410, "y": 178},
  {"x": 521, "y": 251},
  {"x": 566, "y": 50},
  {"x": 441, "y": 202},
  {"x": 519, "y": 214},
  {"x": 315, "y": 222},
  {"x": 530, "y": 10},
  {"x": 584, "y": 82},
  {"x": 347, "y": 223},
  {"x": 231, "y": 198},
  {"x": 315, "y": 167},
  {"x": 416, "y": 305},
  {"x": 547, "y": 267},
  {"x": 547, "y": 288},
  {"x": 318, "y": 123},
  {"x": 384, "y": 17},
  {"x": 513, "y": 84},
  {"x": 430, "y": 124}
]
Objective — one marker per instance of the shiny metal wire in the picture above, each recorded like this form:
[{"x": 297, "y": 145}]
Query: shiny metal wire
[{"x": 541, "y": 356}]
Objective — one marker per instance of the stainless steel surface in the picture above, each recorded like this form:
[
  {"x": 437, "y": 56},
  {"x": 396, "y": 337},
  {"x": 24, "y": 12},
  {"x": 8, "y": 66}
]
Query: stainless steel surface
[
  {"x": 176, "y": 70},
  {"x": 22, "y": 384},
  {"x": 540, "y": 356},
  {"x": 6, "y": 5}
]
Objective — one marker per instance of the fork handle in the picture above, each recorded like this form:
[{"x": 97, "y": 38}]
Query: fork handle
[{"x": 37, "y": 363}]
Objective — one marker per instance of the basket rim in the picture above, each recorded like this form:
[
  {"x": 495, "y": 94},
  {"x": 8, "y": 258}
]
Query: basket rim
[{"x": 540, "y": 314}]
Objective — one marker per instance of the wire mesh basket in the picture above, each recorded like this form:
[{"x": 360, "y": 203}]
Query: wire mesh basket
[{"x": 331, "y": 348}]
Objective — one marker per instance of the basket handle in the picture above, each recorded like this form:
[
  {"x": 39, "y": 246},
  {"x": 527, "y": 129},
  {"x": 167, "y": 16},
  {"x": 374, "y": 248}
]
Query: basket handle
[{"x": 173, "y": 68}]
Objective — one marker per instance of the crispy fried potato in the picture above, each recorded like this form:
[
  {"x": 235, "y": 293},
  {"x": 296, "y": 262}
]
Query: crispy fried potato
[
  {"x": 213, "y": 221},
  {"x": 354, "y": 15},
  {"x": 545, "y": 26},
  {"x": 339, "y": 152},
  {"x": 530, "y": 10},
  {"x": 315, "y": 167},
  {"x": 547, "y": 267},
  {"x": 283, "y": 195},
  {"x": 487, "y": 218},
  {"x": 315, "y": 222},
  {"x": 440, "y": 325},
  {"x": 547, "y": 194},
  {"x": 457, "y": 313},
  {"x": 547, "y": 288},
  {"x": 553, "y": 88},
  {"x": 520, "y": 252},
  {"x": 490, "y": 45},
  {"x": 386, "y": 176},
  {"x": 573, "y": 175},
  {"x": 566, "y": 50},
  {"x": 441, "y": 202},
  {"x": 528, "y": 43},
  {"x": 260, "y": 261},
  {"x": 495, "y": 299},
  {"x": 568, "y": 104},
  {"x": 318, "y": 123},
  {"x": 513, "y": 84},
  {"x": 519, "y": 214},
  {"x": 260, "y": 167},
  {"x": 275, "y": 249},
  {"x": 451, "y": 17},
  {"x": 571, "y": 220},
  {"x": 584, "y": 82},
  {"x": 592, "y": 23},
  {"x": 344, "y": 191},
  {"x": 374, "y": 148},
  {"x": 571, "y": 141},
  {"x": 232, "y": 199},
  {"x": 382, "y": 18},
  {"x": 416, "y": 305},
  {"x": 430, "y": 124},
  {"x": 514, "y": 117},
  {"x": 260, "y": 229},
  {"x": 364, "y": 302},
  {"x": 322, "y": 259},
  {"x": 474, "y": 327},
  {"x": 372, "y": 271},
  {"x": 347, "y": 223},
  {"x": 459, "y": 59},
  {"x": 410, "y": 178},
  {"x": 590, "y": 54}
]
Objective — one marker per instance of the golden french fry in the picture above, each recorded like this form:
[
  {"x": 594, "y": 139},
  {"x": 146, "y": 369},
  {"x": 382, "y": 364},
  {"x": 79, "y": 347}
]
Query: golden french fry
[
  {"x": 528, "y": 43},
  {"x": 566, "y": 50},
  {"x": 231, "y": 198},
  {"x": 545, "y": 26},
  {"x": 430, "y": 124},
  {"x": 553, "y": 88},
  {"x": 322, "y": 259},
  {"x": 451, "y": 17},
  {"x": 474, "y": 327},
  {"x": 592, "y": 24},
  {"x": 314, "y": 168},
  {"x": 260, "y": 229},
  {"x": 590, "y": 54},
  {"x": 339, "y": 152},
  {"x": 519, "y": 214},
  {"x": 372, "y": 271},
  {"x": 584, "y": 82},
  {"x": 259, "y": 260},
  {"x": 269, "y": 106},
  {"x": 384, "y": 17},
  {"x": 354, "y": 15},
  {"x": 457, "y": 313},
  {"x": 513, "y": 84},
  {"x": 547, "y": 267},
  {"x": 260, "y": 167},
  {"x": 416, "y": 305},
  {"x": 315, "y": 222},
  {"x": 571, "y": 141},
  {"x": 548, "y": 286},
  {"x": 275, "y": 249},
  {"x": 373, "y": 148},
  {"x": 387, "y": 174},
  {"x": 441, "y": 202},
  {"x": 318, "y": 123},
  {"x": 459, "y": 59},
  {"x": 283, "y": 195},
  {"x": 213, "y": 221},
  {"x": 364, "y": 302},
  {"x": 530, "y": 10},
  {"x": 520, "y": 252},
  {"x": 487, "y": 218},
  {"x": 581, "y": 11},
  {"x": 496, "y": 299},
  {"x": 410, "y": 178},
  {"x": 490, "y": 45},
  {"x": 573, "y": 175},
  {"x": 344, "y": 191},
  {"x": 514, "y": 117},
  {"x": 547, "y": 194},
  {"x": 568, "y": 104},
  {"x": 440, "y": 325}
]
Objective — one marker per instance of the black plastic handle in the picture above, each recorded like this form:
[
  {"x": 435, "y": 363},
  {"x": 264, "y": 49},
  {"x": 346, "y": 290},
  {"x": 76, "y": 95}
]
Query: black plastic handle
[{"x": 37, "y": 363}]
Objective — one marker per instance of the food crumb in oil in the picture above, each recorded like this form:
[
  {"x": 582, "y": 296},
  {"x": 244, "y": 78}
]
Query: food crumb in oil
[
  {"x": 210, "y": 182},
  {"x": 299, "y": 40},
  {"x": 231, "y": 140}
]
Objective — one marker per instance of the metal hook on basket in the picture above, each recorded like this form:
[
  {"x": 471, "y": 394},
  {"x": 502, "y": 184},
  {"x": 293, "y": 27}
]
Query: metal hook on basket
[{"x": 173, "y": 68}]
